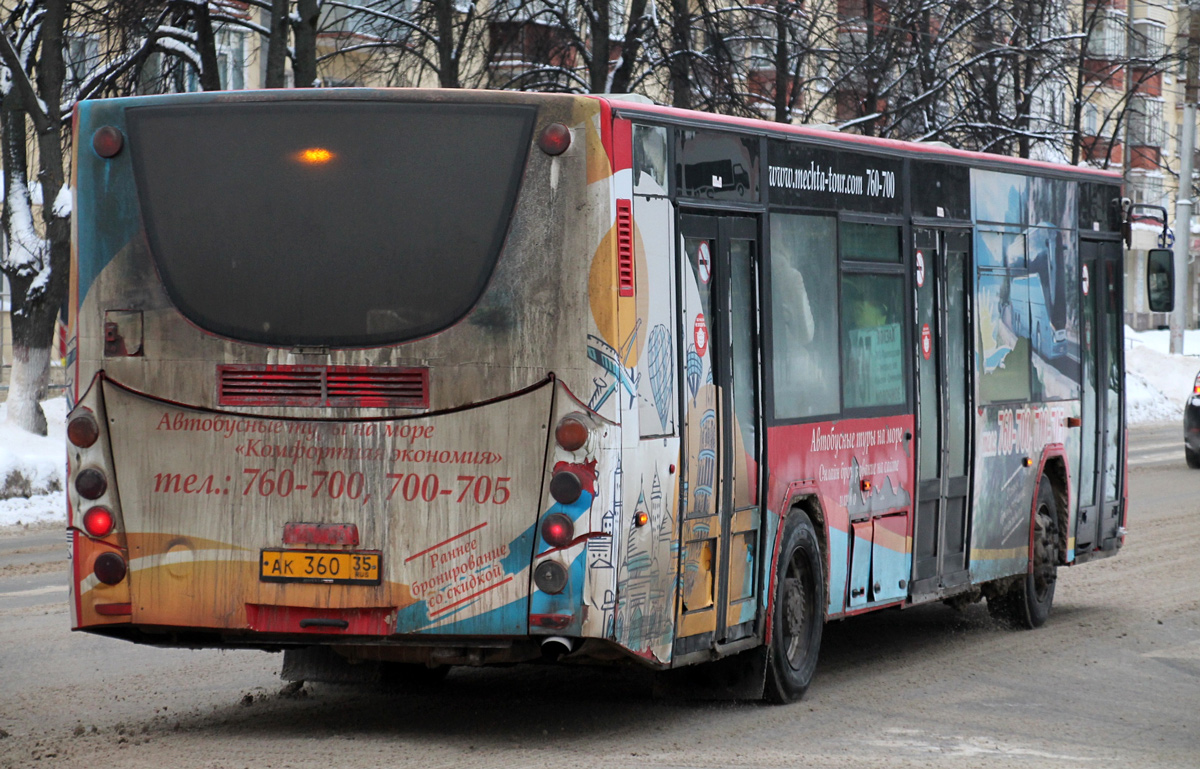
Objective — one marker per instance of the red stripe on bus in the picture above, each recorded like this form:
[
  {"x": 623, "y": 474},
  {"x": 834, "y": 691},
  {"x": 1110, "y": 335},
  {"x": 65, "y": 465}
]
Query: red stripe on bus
[{"x": 445, "y": 542}]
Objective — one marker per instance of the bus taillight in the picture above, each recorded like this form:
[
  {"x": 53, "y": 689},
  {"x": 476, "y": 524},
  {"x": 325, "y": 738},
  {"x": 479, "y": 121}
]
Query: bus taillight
[
  {"x": 550, "y": 577},
  {"x": 571, "y": 434},
  {"x": 108, "y": 141},
  {"x": 565, "y": 487},
  {"x": 555, "y": 139},
  {"x": 558, "y": 529},
  {"x": 99, "y": 522},
  {"x": 110, "y": 568},
  {"x": 91, "y": 483},
  {"x": 83, "y": 431}
]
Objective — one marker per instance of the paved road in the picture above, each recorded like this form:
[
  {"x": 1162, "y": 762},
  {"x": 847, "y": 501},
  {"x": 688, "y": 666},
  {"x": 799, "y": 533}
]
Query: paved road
[
  {"x": 1156, "y": 446},
  {"x": 1112, "y": 680},
  {"x": 28, "y": 572}
]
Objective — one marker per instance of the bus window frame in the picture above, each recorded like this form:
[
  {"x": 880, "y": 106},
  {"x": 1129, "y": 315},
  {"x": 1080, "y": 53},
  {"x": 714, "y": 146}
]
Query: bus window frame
[
  {"x": 768, "y": 321},
  {"x": 900, "y": 268}
]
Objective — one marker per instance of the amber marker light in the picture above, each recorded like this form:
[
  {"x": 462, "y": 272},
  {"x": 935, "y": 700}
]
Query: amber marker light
[
  {"x": 641, "y": 519},
  {"x": 315, "y": 156}
]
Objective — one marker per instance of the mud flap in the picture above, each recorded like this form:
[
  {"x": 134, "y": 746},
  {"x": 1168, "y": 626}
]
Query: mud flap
[{"x": 321, "y": 664}]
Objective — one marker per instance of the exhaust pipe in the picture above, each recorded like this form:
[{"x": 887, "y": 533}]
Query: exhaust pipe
[{"x": 556, "y": 646}]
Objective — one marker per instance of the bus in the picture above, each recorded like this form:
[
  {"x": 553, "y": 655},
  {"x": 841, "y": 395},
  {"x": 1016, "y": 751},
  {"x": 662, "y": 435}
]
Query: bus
[{"x": 408, "y": 379}]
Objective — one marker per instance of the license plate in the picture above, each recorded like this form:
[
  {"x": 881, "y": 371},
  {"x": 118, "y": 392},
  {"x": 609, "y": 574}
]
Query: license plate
[{"x": 319, "y": 566}]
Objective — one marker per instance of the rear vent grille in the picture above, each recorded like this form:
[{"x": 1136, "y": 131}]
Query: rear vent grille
[{"x": 335, "y": 386}]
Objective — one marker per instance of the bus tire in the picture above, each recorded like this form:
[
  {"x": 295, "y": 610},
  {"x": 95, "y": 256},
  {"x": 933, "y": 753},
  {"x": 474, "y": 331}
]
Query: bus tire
[
  {"x": 1192, "y": 458},
  {"x": 1027, "y": 603},
  {"x": 799, "y": 617}
]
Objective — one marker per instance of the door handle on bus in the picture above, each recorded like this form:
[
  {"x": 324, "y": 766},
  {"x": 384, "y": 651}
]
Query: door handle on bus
[{"x": 340, "y": 624}]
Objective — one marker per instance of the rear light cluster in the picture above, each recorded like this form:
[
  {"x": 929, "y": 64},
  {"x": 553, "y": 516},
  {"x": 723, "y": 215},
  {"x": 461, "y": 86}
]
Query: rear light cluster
[
  {"x": 91, "y": 483},
  {"x": 1196, "y": 386},
  {"x": 567, "y": 485}
]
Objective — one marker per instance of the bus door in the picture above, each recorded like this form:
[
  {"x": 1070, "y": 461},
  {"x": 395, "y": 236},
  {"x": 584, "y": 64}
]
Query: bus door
[
  {"x": 721, "y": 432},
  {"x": 942, "y": 282},
  {"x": 1101, "y": 446}
]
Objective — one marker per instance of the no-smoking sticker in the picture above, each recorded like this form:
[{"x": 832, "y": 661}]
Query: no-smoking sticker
[
  {"x": 921, "y": 272},
  {"x": 926, "y": 341},
  {"x": 703, "y": 263},
  {"x": 1084, "y": 282},
  {"x": 700, "y": 333}
]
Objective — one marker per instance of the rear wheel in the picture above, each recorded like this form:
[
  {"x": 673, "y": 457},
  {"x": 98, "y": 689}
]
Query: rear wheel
[
  {"x": 1193, "y": 459},
  {"x": 1027, "y": 603},
  {"x": 799, "y": 617}
]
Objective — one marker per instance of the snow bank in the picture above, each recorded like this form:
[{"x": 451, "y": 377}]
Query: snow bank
[
  {"x": 32, "y": 469},
  {"x": 1158, "y": 383}
]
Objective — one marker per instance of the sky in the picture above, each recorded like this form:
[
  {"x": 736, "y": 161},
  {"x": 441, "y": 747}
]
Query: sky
[{"x": 1158, "y": 385}]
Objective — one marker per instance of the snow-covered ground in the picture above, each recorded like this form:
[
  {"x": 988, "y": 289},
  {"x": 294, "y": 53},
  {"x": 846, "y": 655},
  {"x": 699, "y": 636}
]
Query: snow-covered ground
[{"x": 31, "y": 467}]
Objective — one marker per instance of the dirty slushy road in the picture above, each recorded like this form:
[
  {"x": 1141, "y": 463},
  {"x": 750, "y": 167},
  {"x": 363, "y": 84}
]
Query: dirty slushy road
[{"x": 1112, "y": 680}]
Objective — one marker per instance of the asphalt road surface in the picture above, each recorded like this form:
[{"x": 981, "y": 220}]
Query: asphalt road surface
[{"x": 1112, "y": 680}]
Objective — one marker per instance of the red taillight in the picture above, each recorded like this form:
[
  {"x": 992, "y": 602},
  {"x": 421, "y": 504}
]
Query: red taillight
[
  {"x": 558, "y": 530},
  {"x": 83, "y": 431},
  {"x": 565, "y": 487},
  {"x": 99, "y": 522},
  {"x": 110, "y": 568},
  {"x": 571, "y": 434},
  {"x": 555, "y": 139},
  {"x": 91, "y": 483},
  {"x": 108, "y": 141},
  {"x": 1196, "y": 386}
]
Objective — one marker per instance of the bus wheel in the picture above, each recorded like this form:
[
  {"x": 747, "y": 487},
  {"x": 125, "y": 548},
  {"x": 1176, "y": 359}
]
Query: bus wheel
[
  {"x": 1193, "y": 459},
  {"x": 1027, "y": 603},
  {"x": 799, "y": 617}
]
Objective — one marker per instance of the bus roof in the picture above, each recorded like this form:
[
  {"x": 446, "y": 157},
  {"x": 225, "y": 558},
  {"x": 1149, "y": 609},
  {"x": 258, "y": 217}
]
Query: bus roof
[{"x": 926, "y": 151}]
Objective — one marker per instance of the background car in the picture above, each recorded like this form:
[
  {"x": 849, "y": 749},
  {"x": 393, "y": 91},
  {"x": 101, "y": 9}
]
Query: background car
[{"x": 1191, "y": 427}]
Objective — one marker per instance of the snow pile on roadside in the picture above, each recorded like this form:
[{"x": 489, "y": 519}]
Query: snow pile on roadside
[
  {"x": 1158, "y": 384},
  {"x": 32, "y": 469}
]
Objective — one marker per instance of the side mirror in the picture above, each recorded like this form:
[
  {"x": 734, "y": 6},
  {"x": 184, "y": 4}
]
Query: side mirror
[{"x": 1160, "y": 279}]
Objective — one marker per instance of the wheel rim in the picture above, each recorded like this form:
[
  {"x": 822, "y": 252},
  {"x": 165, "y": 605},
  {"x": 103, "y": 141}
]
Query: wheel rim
[
  {"x": 1045, "y": 556},
  {"x": 797, "y": 609}
]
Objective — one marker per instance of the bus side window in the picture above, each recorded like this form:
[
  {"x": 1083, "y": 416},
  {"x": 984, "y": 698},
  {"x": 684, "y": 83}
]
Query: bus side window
[
  {"x": 649, "y": 160},
  {"x": 872, "y": 317},
  {"x": 804, "y": 344}
]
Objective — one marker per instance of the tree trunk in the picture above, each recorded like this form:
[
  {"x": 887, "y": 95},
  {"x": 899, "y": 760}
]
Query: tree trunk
[
  {"x": 30, "y": 375},
  {"x": 36, "y": 295},
  {"x": 681, "y": 53},
  {"x": 601, "y": 30},
  {"x": 305, "y": 65},
  {"x": 444, "y": 12},
  {"x": 623, "y": 76},
  {"x": 277, "y": 45},
  {"x": 206, "y": 46}
]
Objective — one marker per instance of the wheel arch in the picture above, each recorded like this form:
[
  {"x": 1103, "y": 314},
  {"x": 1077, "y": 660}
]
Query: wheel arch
[
  {"x": 802, "y": 502},
  {"x": 1054, "y": 469}
]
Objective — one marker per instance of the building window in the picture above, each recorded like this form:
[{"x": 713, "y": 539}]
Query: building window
[
  {"x": 1148, "y": 40},
  {"x": 1107, "y": 40},
  {"x": 81, "y": 55},
  {"x": 1146, "y": 122}
]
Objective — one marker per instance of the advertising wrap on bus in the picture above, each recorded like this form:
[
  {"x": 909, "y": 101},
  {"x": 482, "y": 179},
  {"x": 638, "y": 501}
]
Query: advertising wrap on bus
[
  {"x": 447, "y": 504},
  {"x": 397, "y": 380}
]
